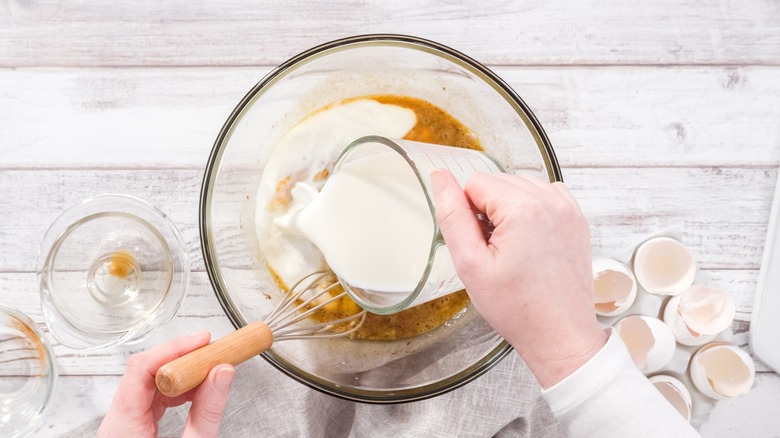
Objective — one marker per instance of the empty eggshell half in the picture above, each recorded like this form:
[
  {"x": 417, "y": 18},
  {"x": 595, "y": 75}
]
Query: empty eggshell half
[
  {"x": 614, "y": 287},
  {"x": 722, "y": 371},
  {"x": 699, "y": 314},
  {"x": 675, "y": 392},
  {"x": 663, "y": 266},
  {"x": 649, "y": 341}
]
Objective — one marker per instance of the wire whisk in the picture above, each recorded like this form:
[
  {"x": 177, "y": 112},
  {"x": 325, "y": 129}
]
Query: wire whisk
[
  {"x": 288, "y": 321},
  {"x": 295, "y": 307}
]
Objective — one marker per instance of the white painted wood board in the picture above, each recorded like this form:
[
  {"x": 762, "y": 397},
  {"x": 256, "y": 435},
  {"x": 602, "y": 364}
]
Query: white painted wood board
[
  {"x": 243, "y": 32},
  {"x": 594, "y": 116},
  {"x": 722, "y": 212},
  {"x": 663, "y": 114}
]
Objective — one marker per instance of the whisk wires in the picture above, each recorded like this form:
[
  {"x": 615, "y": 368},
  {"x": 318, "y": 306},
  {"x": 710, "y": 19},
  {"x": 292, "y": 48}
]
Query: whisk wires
[{"x": 297, "y": 306}]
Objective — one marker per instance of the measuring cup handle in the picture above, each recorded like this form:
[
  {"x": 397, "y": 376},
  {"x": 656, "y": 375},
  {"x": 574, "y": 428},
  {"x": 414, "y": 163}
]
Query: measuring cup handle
[{"x": 188, "y": 371}]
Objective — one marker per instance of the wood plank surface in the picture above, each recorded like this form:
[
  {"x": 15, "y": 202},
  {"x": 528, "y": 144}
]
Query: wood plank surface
[
  {"x": 77, "y": 400},
  {"x": 664, "y": 116},
  {"x": 241, "y": 32},
  {"x": 605, "y": 116},
  {"x": 722, "y": 213}
]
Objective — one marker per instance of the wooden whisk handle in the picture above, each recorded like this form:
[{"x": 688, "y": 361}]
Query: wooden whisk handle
[{"x": 188, "y": 371}]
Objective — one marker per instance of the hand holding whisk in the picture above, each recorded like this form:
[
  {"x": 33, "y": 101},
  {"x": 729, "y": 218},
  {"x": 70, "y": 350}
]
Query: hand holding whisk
[{"x": 190, "y": 370}]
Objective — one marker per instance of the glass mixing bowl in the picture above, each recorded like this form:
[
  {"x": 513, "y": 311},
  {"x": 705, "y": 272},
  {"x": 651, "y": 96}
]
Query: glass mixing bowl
[{"x": 366, "y": 371}]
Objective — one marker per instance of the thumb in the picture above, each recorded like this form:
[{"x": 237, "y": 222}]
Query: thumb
[
  {"x": 208, "y": 403},
  {"x": 459, "y": 226}
]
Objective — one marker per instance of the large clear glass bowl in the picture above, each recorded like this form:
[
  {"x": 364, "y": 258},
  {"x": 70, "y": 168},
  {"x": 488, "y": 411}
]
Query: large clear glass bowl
[{"x": 366, "y": 371}]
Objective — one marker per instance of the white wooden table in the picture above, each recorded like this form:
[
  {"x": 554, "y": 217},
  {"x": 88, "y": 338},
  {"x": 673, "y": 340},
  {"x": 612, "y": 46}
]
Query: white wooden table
[{"x": 663, "y": 114}]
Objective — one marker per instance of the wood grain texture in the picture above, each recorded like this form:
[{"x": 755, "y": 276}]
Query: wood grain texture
[
  {"x": 663, "y": 115},
  {"x": 242, "y": 32},
  {"x": 749, "y": 415},
  {"x": 722, "y": 213},
  {"x": 78, "y": 400},
  {"x": 605, "y": 116},
  {"x": 186, "y": 372}
]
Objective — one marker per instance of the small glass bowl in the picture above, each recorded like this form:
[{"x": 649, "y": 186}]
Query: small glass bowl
[
  {"x": 28, "y": 374},
  {"x": 111, "y": 270}
]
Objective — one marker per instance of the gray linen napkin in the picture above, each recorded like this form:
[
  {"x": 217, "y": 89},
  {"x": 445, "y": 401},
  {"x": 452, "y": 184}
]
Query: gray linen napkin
[{"x": 505, "y": 402}]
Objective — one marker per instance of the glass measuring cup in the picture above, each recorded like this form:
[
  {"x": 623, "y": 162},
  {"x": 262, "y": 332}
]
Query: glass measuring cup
[{"x": 439, "y": 277}]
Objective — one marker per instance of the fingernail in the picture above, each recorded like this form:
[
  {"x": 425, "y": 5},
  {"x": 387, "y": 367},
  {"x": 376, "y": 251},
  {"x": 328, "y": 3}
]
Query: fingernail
[
  {"x": 439, "y": 180},
  {"x": 224, "y": 378}
]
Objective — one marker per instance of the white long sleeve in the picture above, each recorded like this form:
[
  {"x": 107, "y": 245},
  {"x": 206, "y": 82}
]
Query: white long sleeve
[{"x": 609, "y": 397}]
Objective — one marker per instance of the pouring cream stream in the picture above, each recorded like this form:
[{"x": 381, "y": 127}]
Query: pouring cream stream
[
  {"x": 371, "y": 221},
  {"x": 309, "y": 147}
]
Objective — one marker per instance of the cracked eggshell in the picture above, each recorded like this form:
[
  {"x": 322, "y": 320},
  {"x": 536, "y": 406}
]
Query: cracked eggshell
[
  {"x": 614, "y": 287},
  {"x": 722, "y": 371},
  {"x": 698, "y": 315},
  {"x": 663, "y": 266},
  {"x": 675, "y": 392},
  {"x": 649, "y": 341}
]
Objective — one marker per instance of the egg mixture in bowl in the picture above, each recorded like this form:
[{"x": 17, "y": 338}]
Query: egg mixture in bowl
[{"x": 290, "y": 128}]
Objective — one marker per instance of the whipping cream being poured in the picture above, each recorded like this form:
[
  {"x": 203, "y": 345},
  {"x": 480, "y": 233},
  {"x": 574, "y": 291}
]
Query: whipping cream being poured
[
  {"x": 305, "y": 151},
  {"x": 372, "y": 222},
  {"x": 306, "y": 154}
]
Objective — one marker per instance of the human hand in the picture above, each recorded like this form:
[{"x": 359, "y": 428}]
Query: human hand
[
  {"x": 138, "y": 405},
  {"x": 531, "y": 280}
]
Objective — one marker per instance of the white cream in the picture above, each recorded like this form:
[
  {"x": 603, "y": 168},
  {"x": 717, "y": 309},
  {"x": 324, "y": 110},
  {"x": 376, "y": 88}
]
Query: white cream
[
  {"x": 310, "y": 146},
  {"x": 371, "y": 221}
]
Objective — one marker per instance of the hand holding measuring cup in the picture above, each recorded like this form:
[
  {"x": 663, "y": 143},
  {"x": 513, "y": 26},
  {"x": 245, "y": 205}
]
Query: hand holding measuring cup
[
  {"x": 374, "y": 220},
  {"x": 531, "y": 280}
]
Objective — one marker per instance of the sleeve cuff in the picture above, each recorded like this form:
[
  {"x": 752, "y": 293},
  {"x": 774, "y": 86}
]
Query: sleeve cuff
[{"x": 591, "y": 378}]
